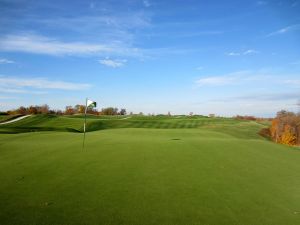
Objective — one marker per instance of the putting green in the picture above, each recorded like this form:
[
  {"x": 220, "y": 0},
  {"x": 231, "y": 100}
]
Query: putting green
[{"x": 214, "y": 171}]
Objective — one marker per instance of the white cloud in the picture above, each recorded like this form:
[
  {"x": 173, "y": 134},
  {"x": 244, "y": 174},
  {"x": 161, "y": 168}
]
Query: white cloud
[
  {"x": 37, "y": 44},
  {"x": 6, "y": 61},
  {"x": 216, "y": 81},
  {"x": 246, "y": 52},
  {"x": 9, "y": 90},
  {"x": 250, "y": 52},
  {"x": 227, "y": 79},
  {"x": 284, "y": 30},
  {"x": 17, "y": 85},
  {"x": 233, "y": 54},
  {"x": 248, "y": 76},
  {"x": 113, "y": 63},
  {"x": 200, "y": 68},
  {"x": 43, "y": 45}
]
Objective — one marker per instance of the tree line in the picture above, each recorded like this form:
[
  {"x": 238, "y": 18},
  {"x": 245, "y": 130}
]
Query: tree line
[{"x": 69, "y": 110}]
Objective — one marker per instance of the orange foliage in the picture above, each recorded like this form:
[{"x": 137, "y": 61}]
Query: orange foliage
[
  {"x": 288, "y": 138},
  {"x": 285, "y": 128},
  {"x": 274, "y": 128}
]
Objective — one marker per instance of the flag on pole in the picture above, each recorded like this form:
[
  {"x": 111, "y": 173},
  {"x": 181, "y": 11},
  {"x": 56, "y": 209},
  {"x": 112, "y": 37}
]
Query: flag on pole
[
  {"x": 88, "y": 103},
  {"x": 91, "y": 103}
]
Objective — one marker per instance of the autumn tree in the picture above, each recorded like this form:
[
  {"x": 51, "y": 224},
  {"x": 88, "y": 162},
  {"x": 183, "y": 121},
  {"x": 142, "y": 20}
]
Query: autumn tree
[
  {"x": 285, "y": 128},
  {"x": 69, "y": 110},
  {"x": 288, "y": 136},
  {"x": 22, "y": 110},
  {"x": 79, "y": 108}
]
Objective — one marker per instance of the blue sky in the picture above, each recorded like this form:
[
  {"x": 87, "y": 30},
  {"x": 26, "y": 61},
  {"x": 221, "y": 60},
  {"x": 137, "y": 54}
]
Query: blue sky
[{"x": 223, "y": 57}]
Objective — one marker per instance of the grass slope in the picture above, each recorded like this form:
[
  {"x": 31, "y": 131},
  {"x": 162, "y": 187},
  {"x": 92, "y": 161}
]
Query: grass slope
[
  {"x": 220, "y": 172},
  {"x": 94, "y": 123}
]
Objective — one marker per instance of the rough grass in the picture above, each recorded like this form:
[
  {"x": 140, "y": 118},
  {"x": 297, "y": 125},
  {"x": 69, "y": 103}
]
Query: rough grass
[{"x": 198, "y": 171}]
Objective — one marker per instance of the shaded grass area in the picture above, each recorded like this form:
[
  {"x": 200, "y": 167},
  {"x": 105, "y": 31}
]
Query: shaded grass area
[{"x": 149, "y": 176}]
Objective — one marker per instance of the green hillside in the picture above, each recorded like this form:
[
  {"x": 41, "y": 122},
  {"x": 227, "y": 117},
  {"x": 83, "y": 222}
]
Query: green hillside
[
  {"x": 146, "y": 170},
  {"x": 94, "y": 123}
]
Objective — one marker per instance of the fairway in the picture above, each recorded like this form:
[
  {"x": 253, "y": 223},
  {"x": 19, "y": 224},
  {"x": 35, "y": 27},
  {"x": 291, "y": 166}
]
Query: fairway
[{"x": 146, "y": 170}]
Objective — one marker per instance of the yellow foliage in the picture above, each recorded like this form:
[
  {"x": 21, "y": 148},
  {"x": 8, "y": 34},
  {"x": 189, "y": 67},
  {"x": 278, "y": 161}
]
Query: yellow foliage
[{"x": 288, "y": 137}]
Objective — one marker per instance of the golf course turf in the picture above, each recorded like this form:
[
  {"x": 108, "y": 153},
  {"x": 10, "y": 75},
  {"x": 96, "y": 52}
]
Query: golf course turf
[{"x": 146, "y": 170}]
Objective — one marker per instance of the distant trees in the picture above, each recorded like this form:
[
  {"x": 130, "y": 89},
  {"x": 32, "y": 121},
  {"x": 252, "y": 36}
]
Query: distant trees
[
  {"x": 42, "y": 109},
  {"x": 69, "y": 110},
  {"x": 123, "y": 112},
  {"x": 285, "y": 128},
  {"x": 22, "y": 110},
  {"x": 79, "y": 108},
  {"x": 110, "y": 111},
  {"x": 238, "y": 117}
]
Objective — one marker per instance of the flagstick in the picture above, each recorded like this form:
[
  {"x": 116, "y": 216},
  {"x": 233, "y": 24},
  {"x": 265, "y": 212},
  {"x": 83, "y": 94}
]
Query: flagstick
[{"x": 84, "y": 125}]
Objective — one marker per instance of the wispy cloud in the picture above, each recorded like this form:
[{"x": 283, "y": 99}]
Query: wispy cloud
[
  {"x": 9, "y": 90},
  {"x": 233, "y": 54},
  {"x": 294, "y": 82},
  {"x": 123, "y": 21},
  {"x": 5, "y": 61},
  {"x": 44, "y": 45},
  {"x": 284, "y": 30},
  {"x": 246, "y": 52},
  {"x": 37, "y": 44},
  {"x": 15, "y": 84},
  {"x": 262, "y": 97},
  {"x": 216, "y": 81},
  {"x": 189, "y": 34},
  {"x": 114, "y": 63},
  {"x": 250, "y": 52},
  {"x": 227, "y": 79},
  {"x": 270, "y": 96},
  {"x": 49, "y": 46},
  {"x": 246, "y": 77}
]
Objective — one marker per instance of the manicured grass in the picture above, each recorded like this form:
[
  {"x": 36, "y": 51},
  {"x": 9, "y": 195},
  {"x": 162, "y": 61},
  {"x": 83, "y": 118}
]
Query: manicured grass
[{"x": 198, "y": 171}]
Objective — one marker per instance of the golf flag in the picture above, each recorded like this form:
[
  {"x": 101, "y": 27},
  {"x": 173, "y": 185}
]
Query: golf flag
[
  {"x": 88, "y": 103},
  {"x": 91, "y": 103}
]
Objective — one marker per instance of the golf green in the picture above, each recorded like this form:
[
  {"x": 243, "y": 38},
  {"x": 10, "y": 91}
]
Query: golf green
[{"x": 198, "y": 171}]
